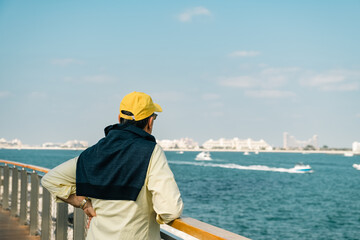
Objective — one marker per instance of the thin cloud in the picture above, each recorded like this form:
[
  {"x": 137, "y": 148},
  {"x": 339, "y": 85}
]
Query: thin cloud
[
  {"x": 339, "y": 80},
  {"x": 323, "y": 80},
  {"x": 277, "y": 77},
  {"x": 264, "y": 93},
  {"x": 239, "y": 82},
  {"x": 268, "y": 78},
  {"x": 90, "y": 79},
  {"x": 5, "y": 94},
  {"x": 216, "y": 105},
  {"x": 244, "y": 54},
  {"x": 189, "y": 14},
  {"x": 216, "y": 114},
  {"x": 170, "y": 96},
  {"x": 267, "y": 83},
  {"x": 38, "y": 95},
  {"x": 65, "y": 62},
  {"x": 98, "y": 79},
  {"x": 274, "y": 82},
  {"x": 280, "y": 70},
  {"x": 210, "y": 96},
  {"x": 346, "y": 87}
]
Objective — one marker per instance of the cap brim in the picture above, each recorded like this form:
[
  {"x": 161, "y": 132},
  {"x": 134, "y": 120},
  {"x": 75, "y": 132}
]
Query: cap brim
[{"x": 157, "y": 108}]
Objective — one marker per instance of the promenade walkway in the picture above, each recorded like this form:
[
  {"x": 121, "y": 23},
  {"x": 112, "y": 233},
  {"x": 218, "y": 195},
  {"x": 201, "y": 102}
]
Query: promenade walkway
[{"x": 10, "y": 229}]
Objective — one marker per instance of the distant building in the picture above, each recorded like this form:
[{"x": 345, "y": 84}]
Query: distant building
[
  {"x": 16, "y": 143},
  {"x": 75, "y": 144},
  {"x": 356, "y": 147},
  {"x": 236, "y": 144},
  {"x": 182, "y": 143},
  {"x": 290, "y": 142},
  {"x": 68, "y": 144}
]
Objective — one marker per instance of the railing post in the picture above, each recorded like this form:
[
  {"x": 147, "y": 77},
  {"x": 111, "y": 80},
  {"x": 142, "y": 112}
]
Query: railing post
[
  {"x": 34, "y": 203},
  {"x": 14, "y": 192},
  {"x": 1, "y": 182},
  {"x": 165, "y": 235},
  {"x": 61, "y": 221},
  {"x": 5, "y": 200},
  {"x": 23, "y": 197},
  {"x": 46, "y": 215},
  {"x": 79, "y": 224}
]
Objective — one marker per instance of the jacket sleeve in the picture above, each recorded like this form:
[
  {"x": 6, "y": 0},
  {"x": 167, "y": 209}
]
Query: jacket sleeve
[
  {"x": 61, "y": 180},
  {"x": 166, "y": 198}
]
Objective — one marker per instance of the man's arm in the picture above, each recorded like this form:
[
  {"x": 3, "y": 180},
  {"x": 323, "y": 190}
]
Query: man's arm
[
  {"x": 166, "y": 196},
  {"x": 61, "y": 183}
]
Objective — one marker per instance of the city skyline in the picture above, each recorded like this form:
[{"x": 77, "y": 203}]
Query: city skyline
[
  {"x": 218, "y": 69},
  {"x": 289, "y": 142}
]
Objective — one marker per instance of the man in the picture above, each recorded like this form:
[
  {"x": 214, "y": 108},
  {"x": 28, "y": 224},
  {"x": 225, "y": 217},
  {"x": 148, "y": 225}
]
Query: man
[{"x": 123, "y": 183}]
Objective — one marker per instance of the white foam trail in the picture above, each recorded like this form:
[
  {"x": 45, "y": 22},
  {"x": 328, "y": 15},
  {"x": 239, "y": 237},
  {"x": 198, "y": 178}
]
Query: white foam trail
[{"x": 236, "y": 166}]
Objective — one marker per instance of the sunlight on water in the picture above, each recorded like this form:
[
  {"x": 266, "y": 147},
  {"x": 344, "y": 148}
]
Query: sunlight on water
[{"x": 240, "y": 167}]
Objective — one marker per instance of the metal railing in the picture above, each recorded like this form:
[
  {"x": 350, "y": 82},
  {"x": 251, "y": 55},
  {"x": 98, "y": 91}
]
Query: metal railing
[{"x": 24, "y": 195}]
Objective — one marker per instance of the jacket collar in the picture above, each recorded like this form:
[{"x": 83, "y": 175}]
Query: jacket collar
[{"x": 129, "y": 128}]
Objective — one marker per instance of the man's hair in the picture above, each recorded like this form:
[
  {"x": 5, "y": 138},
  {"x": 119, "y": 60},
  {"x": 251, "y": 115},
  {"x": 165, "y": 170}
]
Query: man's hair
[{"x": 140, "y": 124}]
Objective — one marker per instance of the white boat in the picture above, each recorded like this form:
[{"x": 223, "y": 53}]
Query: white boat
[
  {"x": 302, "y": 168},
  {"x": 246, "y": 153},
  {"x": 180, "y": 152},
  {"x": 356, "y": 166},
  {"x": 203, "y": 156},
  {"x": 348, "y": 154}
]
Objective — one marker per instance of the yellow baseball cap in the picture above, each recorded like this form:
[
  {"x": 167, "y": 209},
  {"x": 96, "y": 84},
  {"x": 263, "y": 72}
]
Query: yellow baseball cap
[{"x": 139, "y": 104}]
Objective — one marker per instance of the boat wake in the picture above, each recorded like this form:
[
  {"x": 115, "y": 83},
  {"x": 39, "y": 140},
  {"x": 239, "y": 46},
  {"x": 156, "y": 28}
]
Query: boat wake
[{"x": 240, "y": 167}]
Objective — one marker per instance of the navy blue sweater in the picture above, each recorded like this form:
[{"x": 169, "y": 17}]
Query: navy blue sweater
[{"x": 115, "y": 168}]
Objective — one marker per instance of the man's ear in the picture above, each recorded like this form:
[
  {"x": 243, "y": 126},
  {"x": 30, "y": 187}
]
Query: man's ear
[
  {"x": 151, "y": 122},
  {"x": 149, "y": 125}
]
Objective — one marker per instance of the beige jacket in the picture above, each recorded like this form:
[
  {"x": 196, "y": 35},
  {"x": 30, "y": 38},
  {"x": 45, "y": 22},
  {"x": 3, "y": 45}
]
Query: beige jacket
[{"x": 159, "y": 202}]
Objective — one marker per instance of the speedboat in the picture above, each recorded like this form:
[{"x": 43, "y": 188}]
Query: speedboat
[
  {"x": 302, "y": 168},
  {"x": 180, "y": 152},
  {"x": 246, "y": 153},
  {"x": 348, "y": 154},
  {"x": 203, "y": 156},
  {"x": 356, "y": 166}
]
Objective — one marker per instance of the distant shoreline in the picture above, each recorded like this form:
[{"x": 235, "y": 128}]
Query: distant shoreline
[
  {"x": 266, "y": 151},
  {"x": 41, "y": 148},
  {"x": 341, "y": 152}
]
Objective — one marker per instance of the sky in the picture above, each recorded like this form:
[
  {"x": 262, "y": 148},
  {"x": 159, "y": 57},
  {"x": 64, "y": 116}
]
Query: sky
[{"x": 246, "y": 69}]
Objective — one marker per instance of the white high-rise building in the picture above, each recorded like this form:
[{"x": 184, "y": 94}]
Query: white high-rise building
[
  {"x": 356, "y": 147},
  {"x": 285, "y": 140}
]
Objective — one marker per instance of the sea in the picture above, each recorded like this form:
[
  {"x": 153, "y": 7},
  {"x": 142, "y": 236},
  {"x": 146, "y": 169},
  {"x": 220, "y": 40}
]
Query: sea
[{"x": 257, "y": 195}]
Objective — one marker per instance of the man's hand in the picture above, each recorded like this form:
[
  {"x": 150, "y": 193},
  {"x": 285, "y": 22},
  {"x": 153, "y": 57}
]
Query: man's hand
[
  {"x": 75, "y": 201},
  {"x": 89, "y": 211}
]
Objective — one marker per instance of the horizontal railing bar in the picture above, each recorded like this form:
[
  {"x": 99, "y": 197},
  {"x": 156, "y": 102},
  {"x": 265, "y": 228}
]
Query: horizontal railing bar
[
  {"x": 203, "y": 230},
  {"x": 33, "y": 167},
  {"x": 165, "y": 235}
]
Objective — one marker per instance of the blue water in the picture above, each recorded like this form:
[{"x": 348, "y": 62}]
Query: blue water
[{"x": 267, "y": 203}]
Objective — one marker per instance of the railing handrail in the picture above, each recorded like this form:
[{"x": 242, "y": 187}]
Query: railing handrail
[
  {"x": 29, "y": 166},
  {"x": 187, "y": 225},
  {"x": 202, "y": 230}
]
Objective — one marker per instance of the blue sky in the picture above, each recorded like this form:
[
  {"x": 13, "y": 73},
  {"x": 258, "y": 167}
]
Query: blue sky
[{"x": 247, "y": 69}]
